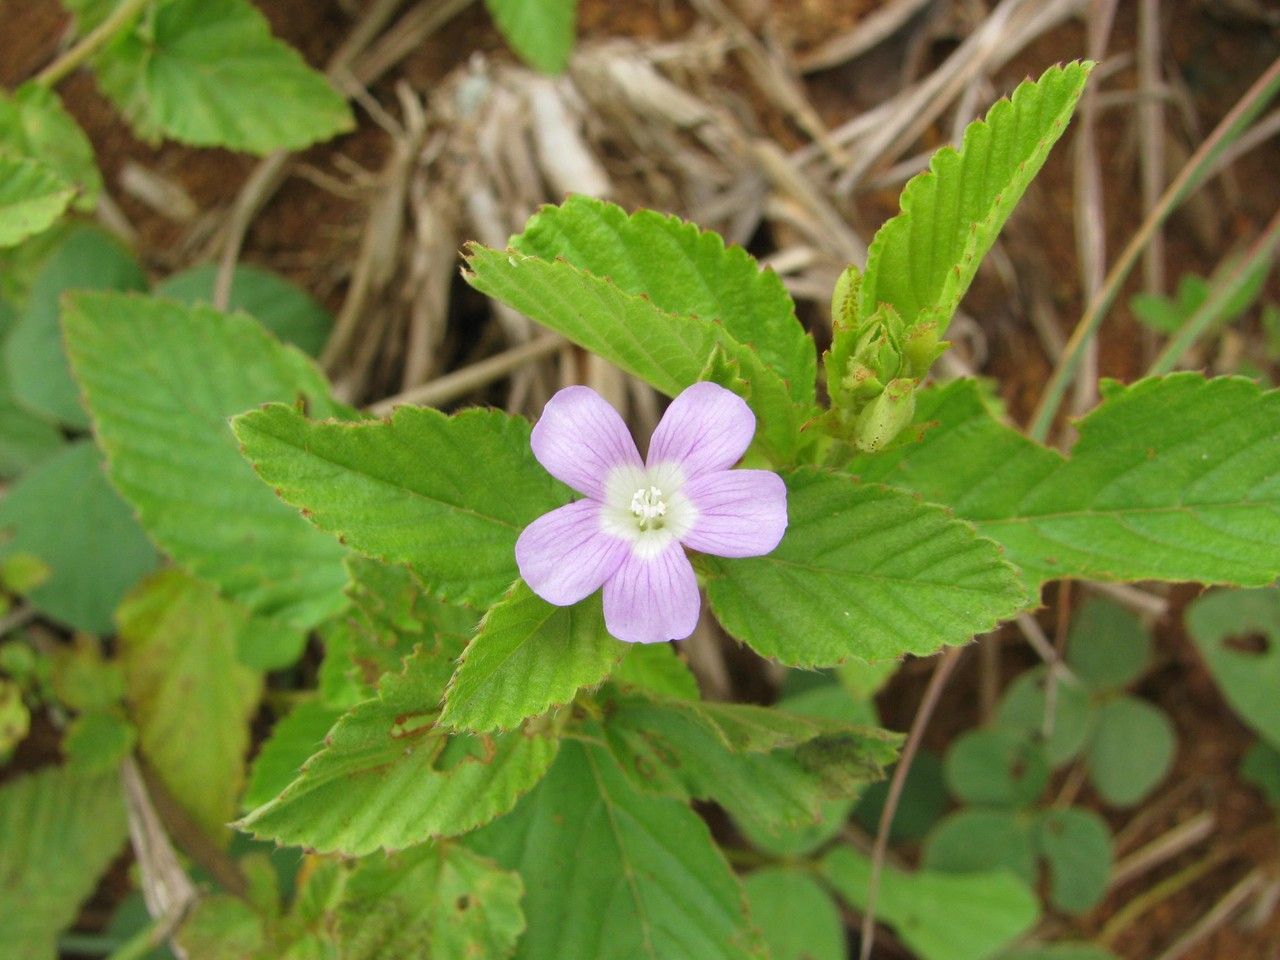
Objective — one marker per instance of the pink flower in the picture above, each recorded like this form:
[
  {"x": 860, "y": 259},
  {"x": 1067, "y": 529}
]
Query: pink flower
[{"x": 630, "y": 532}]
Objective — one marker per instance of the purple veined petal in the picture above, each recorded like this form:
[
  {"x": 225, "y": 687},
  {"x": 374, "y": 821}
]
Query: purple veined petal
[
  {"x": 740, "y": 513},
  {"x": 580, "y": 438},
  {"x": 652, "y": 599},
  {"x": 565, "y": 555},
  {"x": 706, "y": 428}
]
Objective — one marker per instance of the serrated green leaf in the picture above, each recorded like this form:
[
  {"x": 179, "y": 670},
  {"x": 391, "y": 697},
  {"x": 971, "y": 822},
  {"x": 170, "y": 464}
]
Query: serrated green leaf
[
  {"x": 668, "y": 350},
  {"x": 294, "y": 739},
  {"x": 59, "y": 829},
  {"x": 655, "y": 885},
  {"x": 190, "y": 698},
  {"x": 32, "y": 197},
  {"x": 941, "y": 916},
  {"x": 862, "y": 571},
  {"x": 435, "y": 901},
  {"x": 999, "y": 767},
  {"x": 1107, "y": 646},
  {"x": 284, "y": 309},
  {"x": 87, "y": 259},
  {"x": 684, "y": 271},
  {"x": 389, "y": 778},
  {"x": 978, "y": 840},
  {"x": 1172, "y": 478},
  {"x": 1238, "y": 634},
  {"x": 447, "y": 495},
  {"x": 795, "y": 915},
  {"x": 922, "y": 261},
  {"x": 770, "y": 769},
  {"x": 1076, "y": 845},
  {"x": 210, "y": 74},
  {"x": 161, "y": 380},
  {"x": 541, "y": 31},
  {"x": 1023, "y": 708},
  {"x": 657, "y": 668},
  {"x": 65, "y": 513},
  {"x": 1131, "y": 751},
  {"x": 34, "y": 124},
  {"x": 528, "y": 657}
]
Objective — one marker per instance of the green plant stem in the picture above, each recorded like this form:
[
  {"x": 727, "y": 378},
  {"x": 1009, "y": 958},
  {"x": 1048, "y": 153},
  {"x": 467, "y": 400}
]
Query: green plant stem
[
  {"x": 94, "y": 40},
  {"x": 1195, "y": 325},
  {"x": 1191, "y": 177}
]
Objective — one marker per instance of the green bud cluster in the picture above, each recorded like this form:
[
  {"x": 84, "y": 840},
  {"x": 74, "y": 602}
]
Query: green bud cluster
[{"x": 874, "y": 365}]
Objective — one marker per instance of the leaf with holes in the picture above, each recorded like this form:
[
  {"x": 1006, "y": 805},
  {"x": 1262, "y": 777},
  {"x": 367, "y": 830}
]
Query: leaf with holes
[
  {"x": 614, "y": 874},
  {"x": 1172, "y": 478},
  {"x": 59, "y": 830},
  {"x": 447, "y": 495},
  {"x": 388, "y": 777},
  {"x": 682, "y": 270},
  {"x": 670, "y": 350},
  {"x": 922, "y": 261},
  {"x": 528, "y": 657},
  {"x": 160, "y": 380},
  {"x": 210, "y": 74},
  {"x": 863, "y": 571}
]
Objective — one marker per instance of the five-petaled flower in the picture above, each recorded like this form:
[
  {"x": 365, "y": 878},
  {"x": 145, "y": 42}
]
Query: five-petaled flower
[{"x": 630, "y": 532}]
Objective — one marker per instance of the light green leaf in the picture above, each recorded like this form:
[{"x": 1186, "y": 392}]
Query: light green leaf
[
  {"x": 88, "y": 259},
  {"x": 209, "y": 73},
  {"x": 1107, "y": 646},
  {"x": 59, "y": 830},
  {"x": 1076, "y": 845},
  {"x": 683, "y": 271},
  {"x": 25, "y": 438},
  {"x": 527, "y": 658},
  {"x": 284, "y": 309},
  {"x": 15, "y": 718},
  {"x": 977, "y": 840},
  {"x": 222, "y": 927},
  {"x": 770, "y": 769},
  {"x": 1238, "y": 634},
  {"x": 448, "y": 495},
  {"x": 434, "y": 901},
  {"x": 613, "y": 874},
  {"x": 389, "y": 778},
  {"x": 34, "y": 124},
  {"x": 657, "y": 668},
  {"x": 541, "y": 31},
  {"x": 1023, "y": 708},
  {"x": 668, "y": 350},
  {"x": 863, "y": 571},
  {"x": 161, "y": 380},
  {"x": 1172, "y": 478},
  {"x": 96, "y": 742},
  {"x": 65, "y": 513},
  {"x": 941, "y": 916},
  {"x": 32, "y": 197},
  {"x": 294, "y": 739},
  {"x": 795, "y": 915},
  {"x": 190, "y": 698},
  {"x": 1132, "y": 750},
  {"x": 998, "y": 767},
  {"x": 922, "y": 261}
]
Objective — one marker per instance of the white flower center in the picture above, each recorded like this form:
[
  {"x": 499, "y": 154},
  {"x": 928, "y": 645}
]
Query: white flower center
[
  {"x": 644, "y": 506},
  {"x": 648, "y": 507}
]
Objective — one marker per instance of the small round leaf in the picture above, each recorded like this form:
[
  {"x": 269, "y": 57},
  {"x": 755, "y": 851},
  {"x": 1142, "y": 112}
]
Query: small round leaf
[
  {"x": 1107, "y": 647},
  {"x": 1023, "y": 709},
  {"x": 1076, "y": 845},
  {"x": 978, "y": 840},
  {"x": 1131, "y": 751},
  {"x": 997, "y": 767}
]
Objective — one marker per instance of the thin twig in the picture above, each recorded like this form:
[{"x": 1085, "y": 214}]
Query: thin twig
[
  {"x": 1140, "y": 601},
  {"x": 941, "y": 673},
  {"x": 461, "y": 382},
  {"x": 1217, "y": 915},
  {"x": 1151, "y": 137},
  {"x": 1192, "y": 176},
  {"x": 55, "y": 72},
  {"x": 1164, "y": 848},
  {"x": 870, "y": 31}
]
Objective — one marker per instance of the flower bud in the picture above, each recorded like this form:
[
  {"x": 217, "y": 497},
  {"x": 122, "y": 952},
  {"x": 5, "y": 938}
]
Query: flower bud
[{"x": 885, "y": 416}]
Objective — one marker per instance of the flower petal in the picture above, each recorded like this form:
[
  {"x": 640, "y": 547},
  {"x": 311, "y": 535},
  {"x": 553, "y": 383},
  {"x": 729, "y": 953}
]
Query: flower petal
[
  {"x": 652, "y": 599},
  {"x": 740, "y": 513},
  {"x": 580, "y": 438},
  {"x": 565, "y": 555},
  {"x": 706, "y": 428}
]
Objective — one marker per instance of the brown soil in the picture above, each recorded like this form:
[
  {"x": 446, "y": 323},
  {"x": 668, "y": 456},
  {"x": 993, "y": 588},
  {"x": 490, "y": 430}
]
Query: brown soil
[{"x": 312, "y": 236}]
